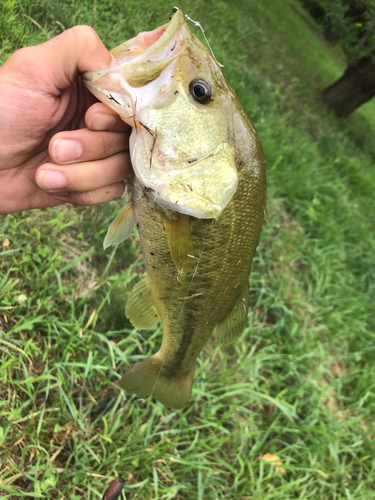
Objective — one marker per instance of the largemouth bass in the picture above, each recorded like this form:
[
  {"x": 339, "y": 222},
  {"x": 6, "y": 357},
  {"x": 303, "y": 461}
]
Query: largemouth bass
[{"x": 198, "y": 199}]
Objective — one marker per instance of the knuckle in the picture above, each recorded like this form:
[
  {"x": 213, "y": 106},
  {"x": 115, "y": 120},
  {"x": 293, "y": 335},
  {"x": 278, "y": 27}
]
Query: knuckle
[
  {"x": 118, "y": 166},
  {"x": 125, "y": 163},
  {"x": 84, "y": 31},
  {"x": 84, "y": 35},
  {"x": 91, "y": 181},
  {"x": 108, "y": 144},
  {"x": 119, "y": 189},
  {"x": 86, "y": 198},
  {"x": 102, "y": 195},
  {"x": 103, "y": 146}
]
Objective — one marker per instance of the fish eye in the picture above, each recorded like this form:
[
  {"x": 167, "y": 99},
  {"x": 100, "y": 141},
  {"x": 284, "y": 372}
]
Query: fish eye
[{"x": 201, "y": 90}]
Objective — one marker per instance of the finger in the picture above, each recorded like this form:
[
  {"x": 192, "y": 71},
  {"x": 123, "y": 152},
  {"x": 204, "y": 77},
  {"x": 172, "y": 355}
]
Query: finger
[
  {"x": 59, "y": 61},
  {"x": 102, "y": 195},
  {"x": 85, "y": 145},
  {"x": 101, "y": 117},
  {"x": 87, "y": 176}
]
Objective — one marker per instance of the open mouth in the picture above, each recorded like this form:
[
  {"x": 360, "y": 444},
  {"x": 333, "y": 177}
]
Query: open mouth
[
  {"x": 156, "y": 45},
  {"x": 137, "y": 45},
  {"x": 143, "y": 58}
]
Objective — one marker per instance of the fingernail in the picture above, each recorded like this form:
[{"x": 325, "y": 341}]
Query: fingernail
[
  {"x": 65, "y": 150},
  {"x": 102, "y": 121},
  {"x": 49, "y": 179}
]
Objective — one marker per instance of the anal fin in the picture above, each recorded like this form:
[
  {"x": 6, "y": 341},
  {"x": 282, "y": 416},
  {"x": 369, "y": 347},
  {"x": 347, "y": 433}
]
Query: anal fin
[
  {"x": 180, "y": 242},
  {"x": 232, "y": 327},
  {"x": 139, "y": 308},
  {"x": 121, "y": 227}
]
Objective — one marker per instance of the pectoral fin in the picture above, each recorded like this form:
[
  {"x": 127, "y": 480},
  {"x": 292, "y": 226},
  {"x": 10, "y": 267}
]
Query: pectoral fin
[
  {"x": 231, "y": 328},
  {"x": 180, "y": 242},
  {"x": 139, "y": 308},
  {"x": 122, "y": 226}
]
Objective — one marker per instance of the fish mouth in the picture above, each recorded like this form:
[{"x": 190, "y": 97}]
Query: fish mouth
[
  {"x": 154, "y": 45},
  {"x": 142, "y": 59}
]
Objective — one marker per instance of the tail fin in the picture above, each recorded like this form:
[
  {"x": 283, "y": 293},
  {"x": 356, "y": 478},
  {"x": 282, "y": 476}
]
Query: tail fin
[{"x": 144, "y": 378}]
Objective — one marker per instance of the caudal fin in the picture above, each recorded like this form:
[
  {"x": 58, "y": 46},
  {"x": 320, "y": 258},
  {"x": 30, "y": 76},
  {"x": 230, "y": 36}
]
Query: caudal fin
[{"x": 145, "y": 379}]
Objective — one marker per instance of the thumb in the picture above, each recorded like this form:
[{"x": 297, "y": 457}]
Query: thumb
[{"x": 54, "y": 65}]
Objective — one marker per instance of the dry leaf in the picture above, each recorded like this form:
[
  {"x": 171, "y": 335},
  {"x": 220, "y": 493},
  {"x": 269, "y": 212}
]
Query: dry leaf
[
  {"x": 6, "y": 243},
  {"x": 275, "y": 461}
]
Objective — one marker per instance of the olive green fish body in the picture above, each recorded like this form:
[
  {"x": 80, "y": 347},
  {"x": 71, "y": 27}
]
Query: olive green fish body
[
  {"x": 198, "y": 199},
  {"x": 191, "y": 304}
]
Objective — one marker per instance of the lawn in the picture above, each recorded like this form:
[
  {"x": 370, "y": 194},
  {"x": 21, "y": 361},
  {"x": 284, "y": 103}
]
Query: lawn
[{"x": 299, "y": 383}]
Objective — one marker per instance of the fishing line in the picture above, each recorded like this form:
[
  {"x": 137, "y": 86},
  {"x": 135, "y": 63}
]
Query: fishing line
[{"x": 175, "y": 9}]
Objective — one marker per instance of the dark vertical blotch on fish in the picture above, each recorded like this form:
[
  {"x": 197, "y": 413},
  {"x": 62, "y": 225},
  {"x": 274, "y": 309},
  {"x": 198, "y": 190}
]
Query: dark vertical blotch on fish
[{"x": 192, "y": 325}]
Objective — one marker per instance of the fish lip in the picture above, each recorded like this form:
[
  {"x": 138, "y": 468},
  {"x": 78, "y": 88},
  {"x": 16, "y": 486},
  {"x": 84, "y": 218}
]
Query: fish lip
[
  {"x": 177, "y": 21},
  {"x": 150, "y": 53}
]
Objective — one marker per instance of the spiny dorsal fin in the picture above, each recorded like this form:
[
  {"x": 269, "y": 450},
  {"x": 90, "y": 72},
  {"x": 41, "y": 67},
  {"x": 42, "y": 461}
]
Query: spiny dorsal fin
[
  {"x": 180, "y": 242},
  {"x": 121, "y": 227},
  {"x": 231, "y": 328},
  {"x": 139, "y": 308}
]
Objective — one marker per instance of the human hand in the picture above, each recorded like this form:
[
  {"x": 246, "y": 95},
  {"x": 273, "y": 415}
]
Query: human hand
[{"x": 47, "y": 155}]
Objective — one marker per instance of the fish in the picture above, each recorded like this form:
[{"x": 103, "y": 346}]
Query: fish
[{"x": 198, "y": 200}]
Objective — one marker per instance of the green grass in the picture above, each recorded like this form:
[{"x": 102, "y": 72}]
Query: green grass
[{"x": 300, "y": 383}]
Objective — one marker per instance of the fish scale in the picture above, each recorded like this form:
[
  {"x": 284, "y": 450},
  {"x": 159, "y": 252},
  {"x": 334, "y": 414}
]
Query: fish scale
[
  {"x": 198, "y": 200},
  {"x": 224, "y": 248}
]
